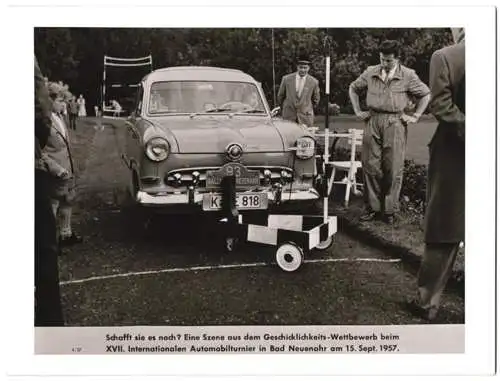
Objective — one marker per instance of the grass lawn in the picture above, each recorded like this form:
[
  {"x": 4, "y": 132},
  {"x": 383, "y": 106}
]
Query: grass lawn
[
  {"x": 408, "y": 232},
  {"x": 81, "y": 140}
]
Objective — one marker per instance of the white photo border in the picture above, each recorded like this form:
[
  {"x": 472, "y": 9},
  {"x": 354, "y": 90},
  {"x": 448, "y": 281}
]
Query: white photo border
[{"x": 17, "y": 167}]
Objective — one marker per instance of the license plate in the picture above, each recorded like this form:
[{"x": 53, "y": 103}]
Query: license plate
[
  {"x": 244, "y": 177},
  {"x": 244, "y": 201}
]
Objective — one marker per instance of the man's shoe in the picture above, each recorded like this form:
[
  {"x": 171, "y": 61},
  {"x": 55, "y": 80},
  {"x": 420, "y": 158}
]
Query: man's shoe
[
  {"x": 431, "y": 313},
  {"x": 370, "y": 216},
  {"x": 389, "y": 219},
  {"x": 73, "y": 239},
  {"x": 416, "y": 309}
]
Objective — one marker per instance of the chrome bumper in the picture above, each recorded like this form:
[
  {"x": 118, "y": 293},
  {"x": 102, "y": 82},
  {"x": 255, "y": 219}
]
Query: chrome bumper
[{"x": 144, "y": 198}]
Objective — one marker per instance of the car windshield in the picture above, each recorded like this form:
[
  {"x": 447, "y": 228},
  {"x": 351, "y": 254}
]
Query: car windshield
[{"x": 205, "y": 97}]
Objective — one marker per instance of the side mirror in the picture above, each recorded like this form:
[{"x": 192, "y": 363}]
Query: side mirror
[{"x": 275, "y": 111}]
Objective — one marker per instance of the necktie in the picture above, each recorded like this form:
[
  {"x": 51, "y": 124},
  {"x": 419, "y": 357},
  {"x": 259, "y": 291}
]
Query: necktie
[{"x": 301, "y": 86}]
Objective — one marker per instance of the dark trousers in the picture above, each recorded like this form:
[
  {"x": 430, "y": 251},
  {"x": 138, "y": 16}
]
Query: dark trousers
[
  {"x": 48, "y": 309},
  {"x": 72, "y": 120},
  {"x": 435, "y": 271}
]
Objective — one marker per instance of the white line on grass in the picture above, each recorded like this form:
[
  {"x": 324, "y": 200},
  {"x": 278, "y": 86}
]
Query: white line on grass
[{"x": 218, "y": 267}]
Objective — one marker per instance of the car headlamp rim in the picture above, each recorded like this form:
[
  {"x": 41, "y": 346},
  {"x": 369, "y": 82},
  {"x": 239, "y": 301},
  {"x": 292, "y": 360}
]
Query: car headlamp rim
[{"x": 157, "y": 149}]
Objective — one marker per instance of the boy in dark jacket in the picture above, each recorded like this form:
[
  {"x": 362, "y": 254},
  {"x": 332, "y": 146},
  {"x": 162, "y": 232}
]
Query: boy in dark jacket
[{"x": 58, "y": 160}]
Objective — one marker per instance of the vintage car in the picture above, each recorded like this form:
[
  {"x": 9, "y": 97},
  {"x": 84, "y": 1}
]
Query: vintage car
[{"x": 192, "y": 126}]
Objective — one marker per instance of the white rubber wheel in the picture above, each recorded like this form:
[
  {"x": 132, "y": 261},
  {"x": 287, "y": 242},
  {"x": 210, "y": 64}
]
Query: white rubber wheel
[
  {"x": 289, "y": 257},
  {"x": 323, "y": 245}
]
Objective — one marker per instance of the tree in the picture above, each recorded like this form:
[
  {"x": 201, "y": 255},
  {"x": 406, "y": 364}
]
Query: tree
[{"x": 75, "y": 55}]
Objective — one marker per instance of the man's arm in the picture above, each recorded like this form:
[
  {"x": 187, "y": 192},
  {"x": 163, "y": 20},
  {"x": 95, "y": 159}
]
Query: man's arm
[
  {"x": 354, "y": 97},
  {"x": 316, "y": 95},
  {"x": 421, "y": 92},
  {"x": 361, "y": 83},
  {"x": 54, "y": 168},
  {"x": 422, "y": 104},
  {"x": 282, "y": 92},
  {"x": 442, "y": 106},
  {"x": 42, "y": 108}
]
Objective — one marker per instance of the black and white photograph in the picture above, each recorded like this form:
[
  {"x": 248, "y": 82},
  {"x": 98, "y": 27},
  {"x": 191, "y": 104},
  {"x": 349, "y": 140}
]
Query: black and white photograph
[
  {"x": 252, "y": 190},
  {"x": 206, "y": 177}
]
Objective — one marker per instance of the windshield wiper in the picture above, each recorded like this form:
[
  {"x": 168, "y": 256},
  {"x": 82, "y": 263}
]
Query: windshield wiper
[
  {"x": 252, "y": 111},
  {"x": 219, "y": 109}
]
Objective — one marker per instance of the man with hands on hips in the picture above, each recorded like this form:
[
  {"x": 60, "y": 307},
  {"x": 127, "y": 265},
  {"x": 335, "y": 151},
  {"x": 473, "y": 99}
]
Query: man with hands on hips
[{"x": 389, "y": 86}]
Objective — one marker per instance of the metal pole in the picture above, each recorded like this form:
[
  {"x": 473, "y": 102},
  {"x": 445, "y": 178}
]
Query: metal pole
[
  {"x": 103, "y": 86},
  {"x": 326, "y": 45},
  {"x": 274, "y": 72}
]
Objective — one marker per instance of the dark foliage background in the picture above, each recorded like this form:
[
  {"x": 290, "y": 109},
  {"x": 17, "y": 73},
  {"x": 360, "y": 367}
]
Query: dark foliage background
[{"x": 75, "y": 55}]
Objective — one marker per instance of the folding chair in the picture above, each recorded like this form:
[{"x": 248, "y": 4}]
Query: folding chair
[{"x": 355, "y": 139}]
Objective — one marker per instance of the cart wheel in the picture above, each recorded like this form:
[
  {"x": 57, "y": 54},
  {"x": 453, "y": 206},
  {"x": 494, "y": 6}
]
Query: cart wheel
[
  {"x": 289, "y": 257},
  {"x": 323, "y": 245}
]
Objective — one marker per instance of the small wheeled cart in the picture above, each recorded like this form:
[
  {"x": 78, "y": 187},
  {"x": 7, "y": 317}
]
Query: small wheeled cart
[{"x": 293, "y": 235}]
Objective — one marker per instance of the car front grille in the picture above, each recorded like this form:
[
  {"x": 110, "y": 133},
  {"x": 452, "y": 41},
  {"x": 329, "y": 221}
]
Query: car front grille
[{"x": 186, "y": 176}]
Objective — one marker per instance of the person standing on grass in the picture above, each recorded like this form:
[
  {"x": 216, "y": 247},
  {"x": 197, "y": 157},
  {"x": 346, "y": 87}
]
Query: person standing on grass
[
  {"x": 299, "y": 94},
  {"x": 57, "y": 157},
  {"x": 82, "y": 110},
  {"x": 445, "y": 211},
  {"x": 73, "y": 113},
  {"x": 48, "y": 310},
  {"x": 389, "y": 86}
]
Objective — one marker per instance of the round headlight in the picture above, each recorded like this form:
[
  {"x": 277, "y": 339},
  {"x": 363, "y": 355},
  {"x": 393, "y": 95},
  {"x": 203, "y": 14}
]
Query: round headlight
[
  {"x": 157, "y": 149},
  {"x": 305, "y": 147}
]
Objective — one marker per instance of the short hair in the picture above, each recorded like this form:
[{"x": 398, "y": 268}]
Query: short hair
[
  {"x": 389, "y": 47},
  {"x": 55, "y": 90}
]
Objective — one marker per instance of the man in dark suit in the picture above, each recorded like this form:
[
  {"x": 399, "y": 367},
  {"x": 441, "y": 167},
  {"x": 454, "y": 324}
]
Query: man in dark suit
[
  {"x": 299, "y": 94},
  {"x": 48, "y": 310},
  {"x": 445, "y": 212}
]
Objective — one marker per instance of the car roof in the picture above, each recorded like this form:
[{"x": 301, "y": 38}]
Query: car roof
[{"x": 198, "y": 73}]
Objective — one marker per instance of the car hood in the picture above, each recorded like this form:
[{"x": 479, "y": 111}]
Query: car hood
[{"x": 213, "y": 134}]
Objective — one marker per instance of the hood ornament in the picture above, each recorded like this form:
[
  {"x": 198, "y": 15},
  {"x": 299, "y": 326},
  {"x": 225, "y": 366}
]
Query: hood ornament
[{"x": 234, "y": 151}]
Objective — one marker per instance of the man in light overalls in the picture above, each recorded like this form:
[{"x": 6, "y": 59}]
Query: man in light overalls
[{"x": 389, "y": 86}]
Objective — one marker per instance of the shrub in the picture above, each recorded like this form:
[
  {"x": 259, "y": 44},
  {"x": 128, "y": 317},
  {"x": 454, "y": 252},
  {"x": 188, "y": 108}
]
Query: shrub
[{"x": 413, "y": 190}]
